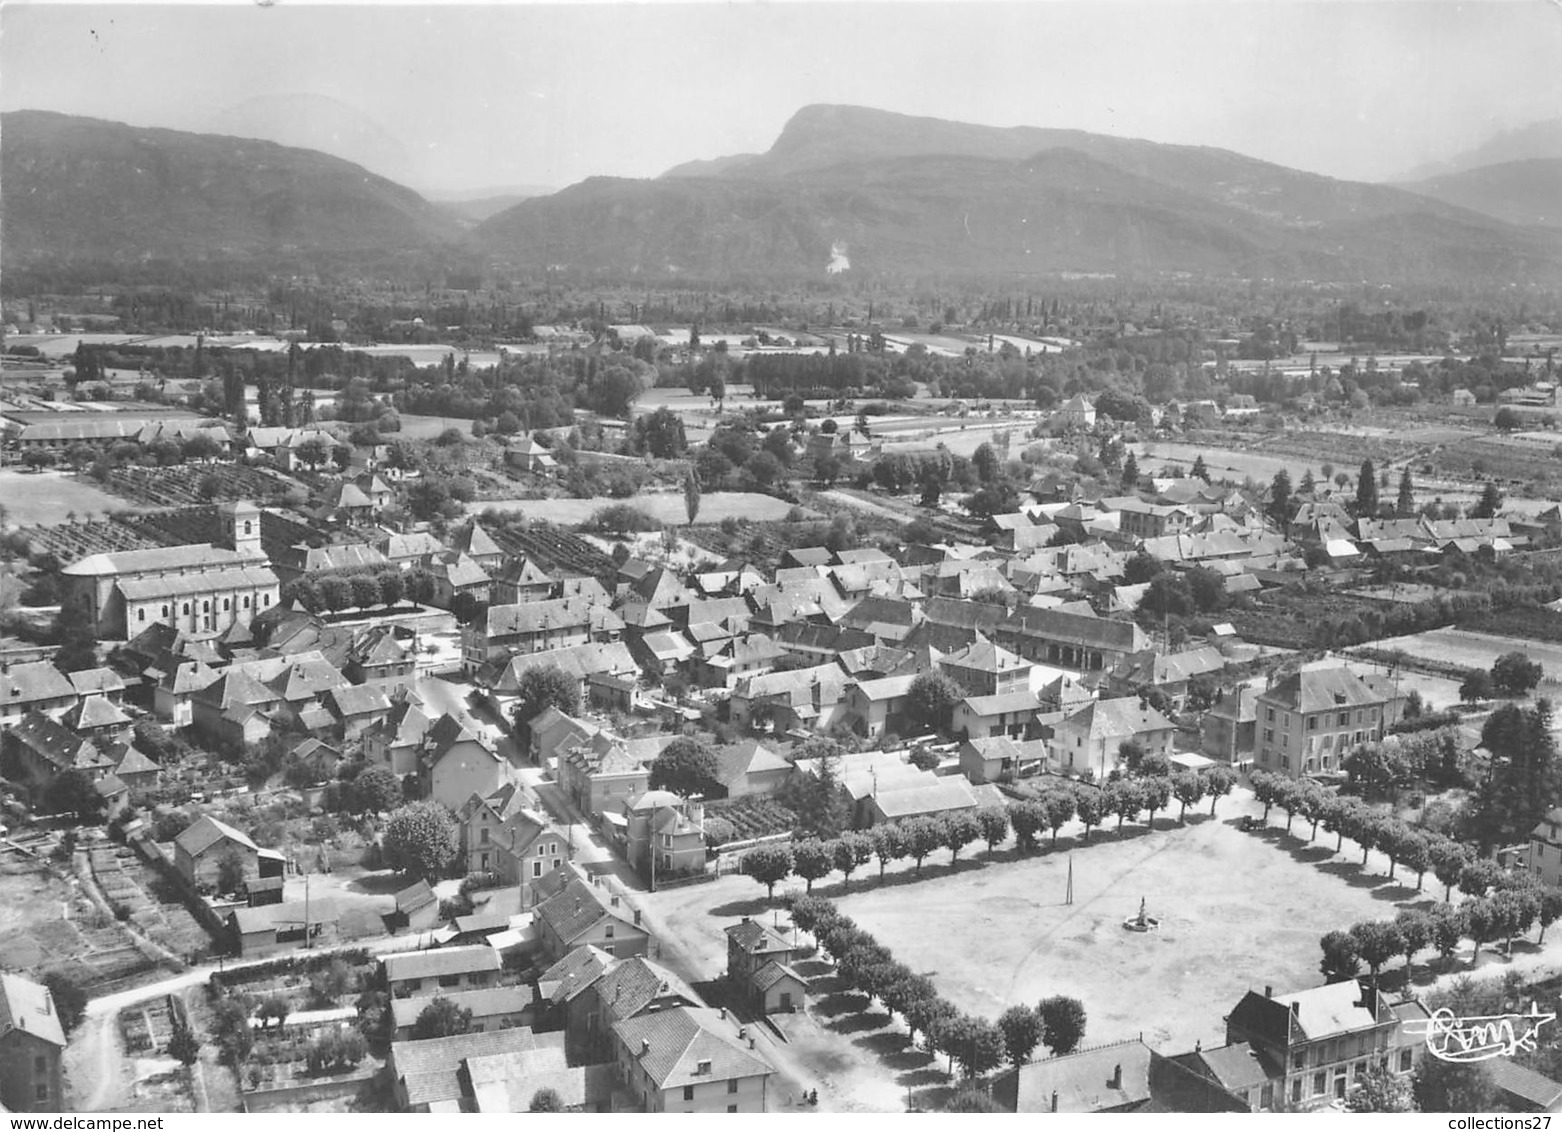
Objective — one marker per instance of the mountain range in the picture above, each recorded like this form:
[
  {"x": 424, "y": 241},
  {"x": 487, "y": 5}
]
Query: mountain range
[{"x": 842, "y": 188}]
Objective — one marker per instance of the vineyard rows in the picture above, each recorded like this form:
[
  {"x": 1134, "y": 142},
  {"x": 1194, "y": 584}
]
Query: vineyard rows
[
  {"x": 753, "y": 815},
  {"x": 71, "y": 542},
  {"x": 556, "y": 550},
  {"x": 181, "y": 486}
]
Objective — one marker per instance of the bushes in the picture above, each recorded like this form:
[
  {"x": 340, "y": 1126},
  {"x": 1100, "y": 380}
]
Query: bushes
[{"x": 621, "y": 518}]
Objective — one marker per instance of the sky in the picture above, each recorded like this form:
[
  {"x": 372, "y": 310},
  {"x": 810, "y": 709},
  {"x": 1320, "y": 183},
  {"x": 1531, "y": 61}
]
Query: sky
[{"x": 449, "y": 97}]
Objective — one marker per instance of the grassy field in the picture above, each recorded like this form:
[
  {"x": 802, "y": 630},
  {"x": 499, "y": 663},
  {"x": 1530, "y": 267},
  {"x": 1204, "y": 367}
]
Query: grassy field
[
  {"x": 46, "y": 497},
  {"x": 1474, "y": 650},
  {"x": 1236, "y": 914},
  {"x": 668, "y": 507}
]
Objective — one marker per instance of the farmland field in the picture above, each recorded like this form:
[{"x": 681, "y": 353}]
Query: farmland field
[
  {"x": 1473, "y": 650},
  {"x": 667, "y": 507},
  {"x": 1001, "y": 936},
  {"x": 44, "y": 498}
]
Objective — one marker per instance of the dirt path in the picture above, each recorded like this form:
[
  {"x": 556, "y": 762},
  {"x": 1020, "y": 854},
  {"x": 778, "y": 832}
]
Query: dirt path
[{"x": 97, "y": 1063}]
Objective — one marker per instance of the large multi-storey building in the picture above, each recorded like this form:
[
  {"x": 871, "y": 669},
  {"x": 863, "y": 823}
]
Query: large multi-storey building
[{"x": 1309, "y": 722}]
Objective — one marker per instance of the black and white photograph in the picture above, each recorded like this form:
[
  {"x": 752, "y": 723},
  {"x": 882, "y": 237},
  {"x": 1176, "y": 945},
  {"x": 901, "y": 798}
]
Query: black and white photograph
[{"x": 805, "y": 558}]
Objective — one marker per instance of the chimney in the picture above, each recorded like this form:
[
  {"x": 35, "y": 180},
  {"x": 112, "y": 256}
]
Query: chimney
[
  {"x": 1054, "y": 1100},
  {"x": 1269, "y": 992},
  {"x": 724, "y": 1012},
  {"x": 645, "y": 1047},
  {"x": 1117, "y": 1076}
]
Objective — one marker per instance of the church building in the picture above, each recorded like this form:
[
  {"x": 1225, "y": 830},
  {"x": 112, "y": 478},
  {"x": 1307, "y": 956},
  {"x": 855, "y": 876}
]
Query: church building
[{"x": 203, "y": 587}]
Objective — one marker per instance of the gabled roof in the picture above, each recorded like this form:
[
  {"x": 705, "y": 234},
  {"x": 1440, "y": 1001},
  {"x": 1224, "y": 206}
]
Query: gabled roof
[
  {"x": 630, "y": 985},
  {"x": 485, "y": 1002},
  {"x": 440, "y": 961},
  {"x": 94, "y": 711},
  {"x": 414, "y": 897},
  {"x": 61, "y": 747},
  {"x": 90, "y": 680},
  {"x": 472, "y": 540},
  {"x": 1118, "y": 718},
  {"x": 27, "y": 1006},
  {"x": 674, "y": 1046},
  {"x": 573, "y": 910},
  {"x": 572, "y": 974},
  {"x": 206, "y": 831},
  {"x": 29, "y": 683},
  {"x": 1083, "y": 1081}
]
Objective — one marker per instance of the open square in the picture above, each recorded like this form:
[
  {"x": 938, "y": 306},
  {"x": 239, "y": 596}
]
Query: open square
[{"x": 1237, "y": 911}]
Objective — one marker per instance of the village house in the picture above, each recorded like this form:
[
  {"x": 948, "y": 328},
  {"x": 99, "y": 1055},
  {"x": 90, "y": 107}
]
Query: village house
[
  {"x": 442, "y": 969},
  {"x": 999, "y": 758},
  {"x": 573, "y": 913},
  {"x": 689, "y": 1059},
  {"x": 32, "y": 1042},
  {"x": 200, "y": 850},
  {"x": 499, "y": 834},
  {"x": 1076, "y": 412},
  {"x": 803, "y": 697},
  {"x": 491, "y": 1071},
  {"x": 455, "y": 575},
  {"x": 535, "y": 627},
  {"x": 877, "y": 707},
  {"x": 492, "y": 1008},
  {"x": 1124, "y": 1076},
  {"x": 750, "y": 767},
  {"x": 984, "y": 669},
  {"x": 1303, "y": 1052},
  {"x": 453, "y": 763},
  {"x": 1230, "y": 729},
  {"x": 44, "y": 749},
  {"x": 34, "y": 686},
  {"x": 518, "y": 581},
  {"x": 664, "y": 835},
  {"x": 593, "y": 991},
  {"x": 1013, "y": 714},
  {"x": 1090, "y": 738},
  {"x": 759, "y": 967}
]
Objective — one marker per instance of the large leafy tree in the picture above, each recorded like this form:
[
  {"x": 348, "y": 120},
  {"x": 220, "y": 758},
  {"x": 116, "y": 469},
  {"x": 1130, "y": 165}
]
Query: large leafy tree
[
  {"x": 769, "y": 865},
  {"x": 420, "y": 839},
  {"x": 688, "y": 767},
  {"x": 812, "y": 860},
  {"x": 375, "y": 790},
  {"x": 1022, "y": 1032},
  {"x": 543, "y": 686},
  {"x": 72, "y": 792},
  {"x": 1063, "y": 1023},
  {"x": 441, "y": 1018},
  {"x": 930, "y": 699}
]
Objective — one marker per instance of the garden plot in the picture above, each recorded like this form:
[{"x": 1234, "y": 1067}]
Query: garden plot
[{"x": 667, "y": 508}]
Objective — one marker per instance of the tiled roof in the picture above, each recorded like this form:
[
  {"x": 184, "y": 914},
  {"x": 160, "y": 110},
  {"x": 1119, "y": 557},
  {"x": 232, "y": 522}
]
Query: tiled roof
[
  {"x": 754, "y": 938},
  {"x": 1321, "y": 689},
  {"x": 206, "y": 831},
  {"x": 104, "y": 680},
  {"x": 1082, "y": 1081},
  {"x": 572, "y": 974},
  {"x": 30, "y": 683},
  {"x": 414, "y": 897},
  {"x": 430, "y": 1069},
  {"x": 63, "y": 748},
  {"x": 359, "y": 699},
  {"x": 28, "y": 1006},
  {"x": 94, "y": 711},
  {"x": 486, "y": 1002},
  {"x": 680, "y": 1041},
  {"x": 772, "y": 973},
  {"x": 440, "y": 961},
  {"x": 572, "y": 911},
  {"x": 160, "y": 558},
  {"x": 631, "y": 985}
]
